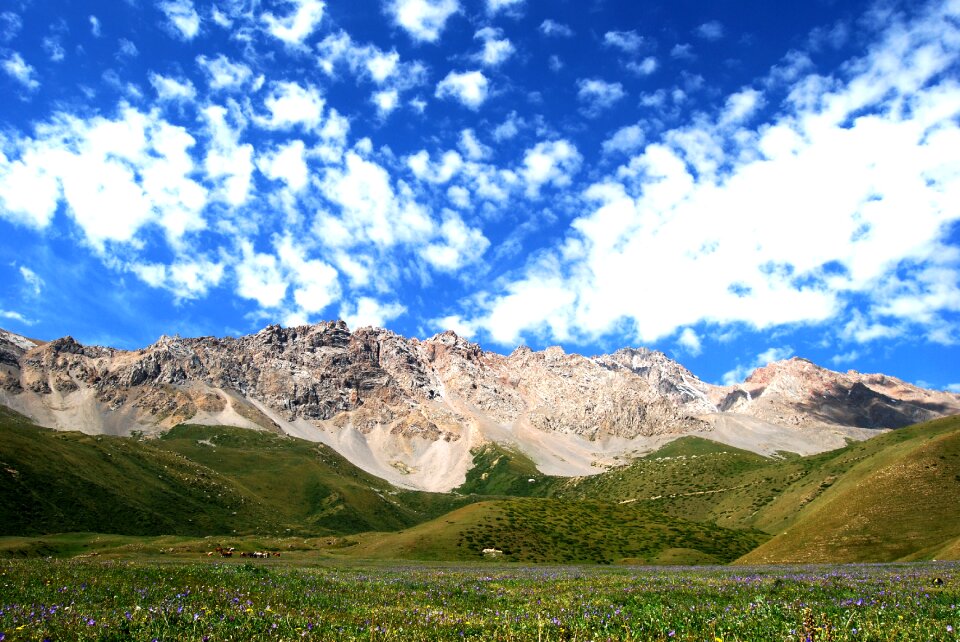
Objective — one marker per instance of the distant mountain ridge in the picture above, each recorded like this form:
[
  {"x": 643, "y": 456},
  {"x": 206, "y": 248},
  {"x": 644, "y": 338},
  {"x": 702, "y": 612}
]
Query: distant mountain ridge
[{"x": 412, "y": 411}]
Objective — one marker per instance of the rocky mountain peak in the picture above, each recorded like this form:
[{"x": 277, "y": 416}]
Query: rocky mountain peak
[{"x": 411, "y": 410}]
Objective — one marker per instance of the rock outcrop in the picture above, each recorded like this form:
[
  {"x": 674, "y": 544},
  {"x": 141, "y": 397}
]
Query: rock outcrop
[{"x": 411, "y": 410}]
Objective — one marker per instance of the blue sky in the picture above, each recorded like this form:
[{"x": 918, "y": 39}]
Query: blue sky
[{"x": 729, "y": 182}]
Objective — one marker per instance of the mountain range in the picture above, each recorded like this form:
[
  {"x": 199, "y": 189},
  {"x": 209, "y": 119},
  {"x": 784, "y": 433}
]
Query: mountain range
[{"x": 415, "y": 412}]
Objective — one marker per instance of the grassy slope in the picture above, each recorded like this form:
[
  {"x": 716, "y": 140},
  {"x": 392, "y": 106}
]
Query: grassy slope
[
  {"x": 892, "y": 497},
  {"x": 500, "y": 471},
  {"x": 247, "y": 482},
  {"x": 898, "y": 502},
  {"x": 561, "y": 531}
]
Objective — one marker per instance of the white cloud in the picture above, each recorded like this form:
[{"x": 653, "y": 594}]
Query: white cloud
[
  {"x": 741, "y": 106},
  {"x": 471, "y": 147},
  {"x": 95, "y": 29},
  {"x": 626, "y": 41},
  {"x": 32, "y": 279},
  {"x": 14, "y": 316},
  {"x": 625, "y": 140},
  {"x": 18, "y": 69},
  {"x": 509, "y": 128},
  {"x": 386, "y": 101},
  {"x": 370, "y": 312},
  {"x": 798, "y": 220},
  {"x": 598, "y": 94},
  {"x": 496, "y": 6},
  {"x": 185, "y": 279},
  {"x": 645, "y": 67},
  {"x": 371, "y": 211},
  {"x": 441, "y": 172},
  {"x": 458, "y": 244},
  {"x": 259, "y": 278},
  {"x": 690, "y": 342},
  {"x": 54, "y": 48},
  {"x": 552, "y": 162},
  {"x": 553, "y": 28},
  {"x": 953, "y": 387},
  {"x": 712, "y": 30},
  {"x": 423, "y": 20},
  {"x": 298, "y": 25},
  {"x": 290, "y": 105},
  {"x": 287, "y": 164},
  {"x": 384, "y": 68},
  {"x": 496, "y": 48},
  {"x": 223, "y": 73},
  {"x": 455, "y": 323},
  {"x": 184, "y": 21},
  {"x": 173, "y": 89},
  {"x": 10, "y": 26},
  {"x": 468, "y": 87},
  {"x": 683, "y": 51},
  {"x": 127, "y": 49},
  {"x": 459, "y": 196},
  {"x": 228, "y": 163},
  {"x": 315, "y": 283},
  {"x": 114, "y": 176}
]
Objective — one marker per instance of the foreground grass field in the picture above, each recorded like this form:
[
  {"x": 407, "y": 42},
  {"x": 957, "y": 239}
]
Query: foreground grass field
[{"x": 270, "y": 600}]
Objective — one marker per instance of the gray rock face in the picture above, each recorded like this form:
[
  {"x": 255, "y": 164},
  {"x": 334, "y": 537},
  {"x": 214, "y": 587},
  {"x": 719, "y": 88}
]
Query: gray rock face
[{"x": 394, "y": 404}]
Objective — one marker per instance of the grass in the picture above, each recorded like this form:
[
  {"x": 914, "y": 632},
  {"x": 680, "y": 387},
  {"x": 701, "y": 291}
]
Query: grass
[
  {"x": 501, "y": 471},
  {"x": 555, "y": 531},
  {"x": 272, "y": 600},
  {"x": 890, "y": 498},
  {"x": 196, "y": 480}
]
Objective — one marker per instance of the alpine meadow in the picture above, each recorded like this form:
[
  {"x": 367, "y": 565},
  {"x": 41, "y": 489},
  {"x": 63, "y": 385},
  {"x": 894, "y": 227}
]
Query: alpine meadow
[{"x": 510, "y": 320}]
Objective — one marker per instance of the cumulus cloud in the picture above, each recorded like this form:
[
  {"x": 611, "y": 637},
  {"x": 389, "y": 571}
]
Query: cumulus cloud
[
  {"x": 423, "y": 20},
  {"x": 625, "y": 140},
  {"x": 291, "y": 105},
  {"x": 598, "y": 95},
  {"x": 224, "y": 73},
  {"x": 626, "y": 41},
  {"x": 645, "y": 67},
  {"x": 553, "y": 162},
  {"x": 115, "y": 176},
  {"x": 95, "y": 29},
  {"x": 370, "y": 209},
  {"x": 228, "y": 163},
  {"x": 185, "y": 279},
  {"x": 10, "y": 26},
  {"x": 457, "y": 245},
  {"x": 690, "y": 342},
  {"x": 127, "y": 49},
  {"x": 385, "y": 69},
  {"x": 469, "y": 88},
  {"x": 496, "y": 6},
  {"x": 369, "y": 312},
  {"x": 712, "y": 30},
  {"x": 173, "y": 89},
  {"x": 183, "y": 21},
  {"x": 294, "y": 28},
  {"x": 555, "y": 29},
  {"x": 496, "y": 48},
  {"x": 18, "y": 69},
  {"x": 796, "y": 220},
  {"x": 288, "y": 164}
]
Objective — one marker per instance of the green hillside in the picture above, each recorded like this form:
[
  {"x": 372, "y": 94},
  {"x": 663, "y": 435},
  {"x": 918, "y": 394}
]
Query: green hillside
[
  {"x": 559, "y": 531},
  {"x": 899, "y": 502},
  {"x": 893, "y": 497},
  {"x": 196, "y": 480}
]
